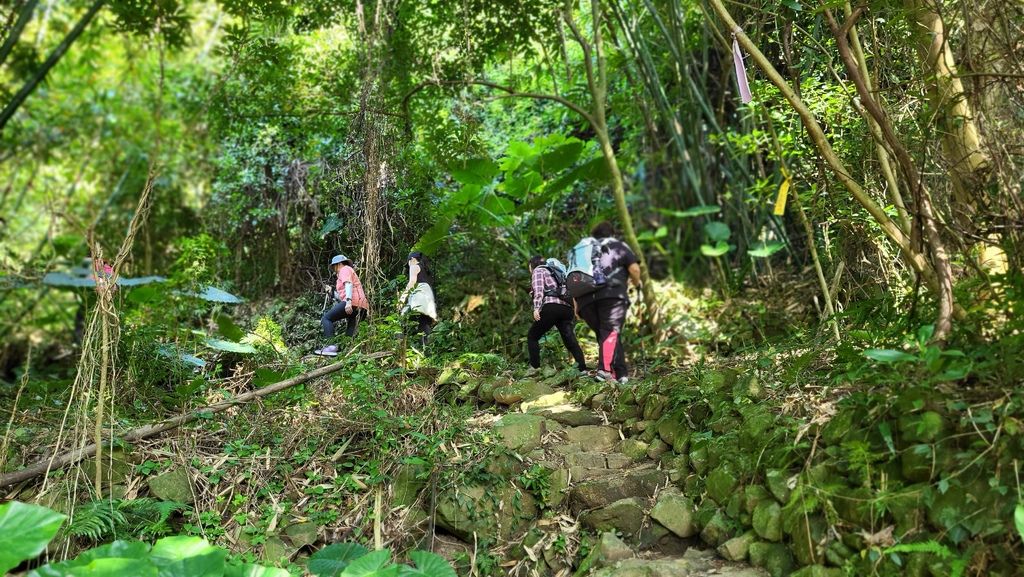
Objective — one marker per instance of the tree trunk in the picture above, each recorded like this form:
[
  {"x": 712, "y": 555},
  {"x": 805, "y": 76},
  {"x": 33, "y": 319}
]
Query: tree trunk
[
  {"x": 19, "y": 26},
  {"x": 51, "y": 61},
  {"x": 966, "y": 162}
]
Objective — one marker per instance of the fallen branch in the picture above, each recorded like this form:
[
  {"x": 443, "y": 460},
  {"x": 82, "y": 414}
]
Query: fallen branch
[{"x": 58, "y": 462}]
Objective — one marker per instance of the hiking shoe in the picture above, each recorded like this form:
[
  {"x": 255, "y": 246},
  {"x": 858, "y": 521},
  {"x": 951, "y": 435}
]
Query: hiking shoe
[
  {"x": 328, "y": 351},
  {"x": 602, "y": 376},
  {"x": 624, "y": 380}
]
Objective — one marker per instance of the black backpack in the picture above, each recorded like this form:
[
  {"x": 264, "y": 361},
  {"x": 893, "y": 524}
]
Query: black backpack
[{"x": 557, "y": 270}]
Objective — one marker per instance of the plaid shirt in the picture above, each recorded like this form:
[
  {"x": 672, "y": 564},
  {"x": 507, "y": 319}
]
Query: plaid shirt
[{"x": 543, "y": 282}]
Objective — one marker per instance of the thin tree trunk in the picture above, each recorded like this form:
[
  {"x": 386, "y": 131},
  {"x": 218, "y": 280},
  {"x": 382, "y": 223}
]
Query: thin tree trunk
[
  {"x": 925, "y": 213},
  {"x": 597, "y": 82},
  {"x": 19, "y": 26},
  {"x": 51, "y": 61},
  {"x": 914, "y": 259},
  {"x": 880, "y": 152},
  {"x": 967, "y": 163}
]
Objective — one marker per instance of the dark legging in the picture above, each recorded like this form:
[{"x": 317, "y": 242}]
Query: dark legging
[
  {"x": 423, "y": 327},
  {"x": 336, "y": 314},
  {"x": 562, "y": 317},
  {"x": 606, "y": 318}
]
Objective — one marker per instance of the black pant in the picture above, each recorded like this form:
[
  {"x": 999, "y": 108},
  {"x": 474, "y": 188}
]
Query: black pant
[
  {"x": 423, "y": 327},
  {"x": 337, "y": 313},
  {"x": 555, "y": 315},
  {"x": 606, "y": 318}
]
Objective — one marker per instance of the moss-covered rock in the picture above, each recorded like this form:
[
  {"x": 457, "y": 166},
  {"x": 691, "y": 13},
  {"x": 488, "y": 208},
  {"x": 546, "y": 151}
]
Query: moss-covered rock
[
  {"x": 624, "y": 515},
  {"x": 752, "y": 495},
  {"x": 767, "y": 520},
  {"x": 605, "y": 491},
  {"x": 780, "y": 484},
  {"x": 854, "y": 505},
  {"x": 485, "y": 392},
  {"x": 654, "y": 407},
  {"x": 656, "y": 449},
  {"x": 301, "y": 534},
  {"x": 677, "y": 466},
  {"x": 736, "y": 549},
  {"x": 494, "y": 512},
  {"x": 818, "y": 571},
  {"x": 698, "y": 456},
  {"x": 519, "y": 390},
  {"x": 635, "y": 449},
  {"x": 721, "y": 482},
  {"x": 757, "y": 422},
  {"x": 717, "y": 530},
  {"x": 676, "y": 513},
  {"x": 559, "y": 484},
  {"x": 773, "y": 557},
  {"x": 807, "y": 533},
  {"x": 623, "y": 412},
  {"x": 593, "y": 438},
  {"x": 174, "y": 486},
  {"x": 408, "y": 482},
  {"x": 608, "y": 551},
  {"x": 520, "y": 432}
]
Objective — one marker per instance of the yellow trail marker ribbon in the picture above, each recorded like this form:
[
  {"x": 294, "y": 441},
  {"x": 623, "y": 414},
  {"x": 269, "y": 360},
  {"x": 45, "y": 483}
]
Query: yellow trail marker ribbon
[{"x": 780, "y": 202}]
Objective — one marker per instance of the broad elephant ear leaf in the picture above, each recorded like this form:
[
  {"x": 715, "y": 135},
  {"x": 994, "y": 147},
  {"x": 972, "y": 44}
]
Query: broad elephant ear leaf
[
  {"x": 432, "y": 239},
  {"x": 24, "y": 532}
]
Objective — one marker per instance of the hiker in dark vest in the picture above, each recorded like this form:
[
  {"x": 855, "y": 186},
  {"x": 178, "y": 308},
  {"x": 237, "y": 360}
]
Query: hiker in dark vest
[
  {"x": 552, "y": 307},
  {"x": 604, "y": 310},
  {"x": 351, "y": 306},
  {"x": 417, "y": 299}
]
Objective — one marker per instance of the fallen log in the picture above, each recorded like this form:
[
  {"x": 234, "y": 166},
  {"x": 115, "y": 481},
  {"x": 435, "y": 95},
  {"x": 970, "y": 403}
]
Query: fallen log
[{"x": 60, "y": 461}]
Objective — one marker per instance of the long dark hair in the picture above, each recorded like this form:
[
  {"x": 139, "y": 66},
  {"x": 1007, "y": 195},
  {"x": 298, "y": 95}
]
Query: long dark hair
[
  {"x": 536, "y": 260},
  {"x": 425, "y": 275}
]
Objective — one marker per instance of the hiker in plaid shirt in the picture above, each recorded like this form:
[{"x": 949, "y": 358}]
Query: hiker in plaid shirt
[{"x": 550, "y": 310}]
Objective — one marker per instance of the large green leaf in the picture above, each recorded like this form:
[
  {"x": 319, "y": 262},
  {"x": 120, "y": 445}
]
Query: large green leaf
[
  {"x": 1018, "y": 520},
  {"x": 103, "y": 567},
  {"x": 766, "y": 249},
  {"x": 228, "y": 328},
  {"x": 216, "y": 295},
  {"x": 465, "y": 195},
  {"x": 64, "y": 279},
  {"x": 187, "y": 557},
  {"x": 24, "y": 532},
  {"x": 432, "y": 239},
  {"x": 333, "y": 559},
  {"x": 720, "y": 248},
  {"x": 498, "y": 205},
  {"x": 476, "y": 171},
  {"x": 520, "y": 186},
  {"x": 250, "y": 570},
  {"x": 596, "y": 171},
  {"x": 371, "y": 565},
  {"x": 559, "y": 158},
  {"x": 117, "y": 549},
  {"x": 889, "y": 355},
  {"x": 717, "y": 231},
  {"x": 228, "y": 346},
  {"x": 427, "y": 565}
]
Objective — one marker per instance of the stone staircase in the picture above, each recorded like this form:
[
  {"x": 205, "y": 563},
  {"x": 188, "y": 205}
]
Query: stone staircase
[{"x": 599, "y": 481}]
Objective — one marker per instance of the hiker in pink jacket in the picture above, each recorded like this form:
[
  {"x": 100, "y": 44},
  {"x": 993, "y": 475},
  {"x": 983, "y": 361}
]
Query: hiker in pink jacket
[{"x": 351, "y": 306}]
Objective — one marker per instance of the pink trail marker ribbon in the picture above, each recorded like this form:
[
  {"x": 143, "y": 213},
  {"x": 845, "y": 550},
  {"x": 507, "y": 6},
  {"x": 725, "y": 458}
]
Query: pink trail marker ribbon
[{"x": 741, "y": 72}]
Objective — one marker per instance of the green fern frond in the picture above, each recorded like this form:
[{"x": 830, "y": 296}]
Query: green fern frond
[
  {"x": 931, "y": 546},
  {"x": 957, "y": 561},
  {"x": 118, "y": 518}
]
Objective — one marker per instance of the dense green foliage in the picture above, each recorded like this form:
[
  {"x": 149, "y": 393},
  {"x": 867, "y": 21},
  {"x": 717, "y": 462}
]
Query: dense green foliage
[{"x": 208, "y": 149}]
